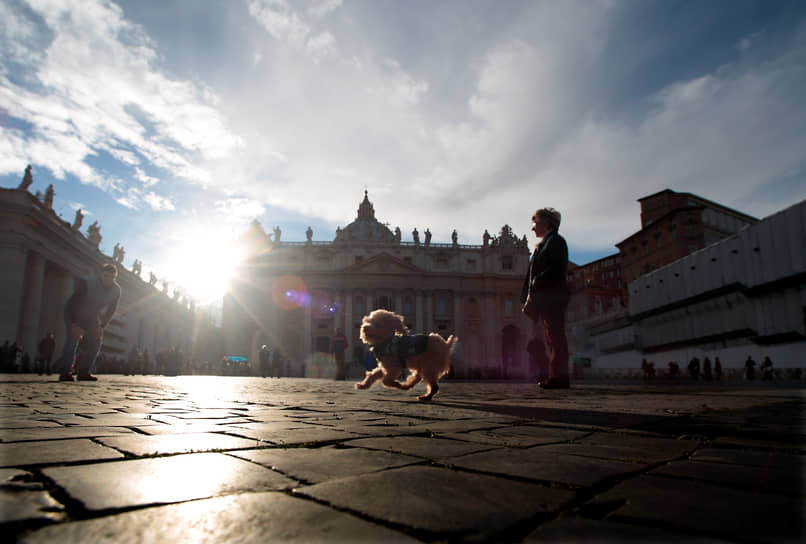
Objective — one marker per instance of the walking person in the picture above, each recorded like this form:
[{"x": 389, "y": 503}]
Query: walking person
[
  {"x": 87, "y": 313},
  {"x": 694, "y": 368},
  {"x": 265, "y": 357},
  {"x": 46, "y": 348},
  {"x": 337, "y": 346},
  {"x": 750, "y": 369},
  {"x": 545, "y": 293},
  {"x": 766, "y": 369},
  {"x": 706, "y": 369}
]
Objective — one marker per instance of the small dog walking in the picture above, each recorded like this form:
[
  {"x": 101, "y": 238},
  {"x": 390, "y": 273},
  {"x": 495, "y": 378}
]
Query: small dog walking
[{"x": 428, "y": 357}]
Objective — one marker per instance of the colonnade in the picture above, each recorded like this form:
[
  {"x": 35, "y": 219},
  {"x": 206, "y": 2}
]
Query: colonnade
[{"x": 33, "y": 296}]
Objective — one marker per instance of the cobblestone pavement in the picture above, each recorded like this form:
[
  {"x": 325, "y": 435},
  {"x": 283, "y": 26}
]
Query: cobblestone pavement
[{"x": 214, "y": 459}]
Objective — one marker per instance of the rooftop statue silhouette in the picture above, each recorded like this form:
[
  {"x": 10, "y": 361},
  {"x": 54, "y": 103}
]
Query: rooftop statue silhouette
[{"x": 27, "y": 178}]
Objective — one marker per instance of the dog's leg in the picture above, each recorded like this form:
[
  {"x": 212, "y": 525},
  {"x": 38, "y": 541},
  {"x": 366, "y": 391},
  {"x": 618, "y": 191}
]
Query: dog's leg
[
  {"x": 390, "y": 380},
  {"x": 433, "y": 389},
  {"x": 414, "y": 379},
  {"x": 371, "y": 377}
]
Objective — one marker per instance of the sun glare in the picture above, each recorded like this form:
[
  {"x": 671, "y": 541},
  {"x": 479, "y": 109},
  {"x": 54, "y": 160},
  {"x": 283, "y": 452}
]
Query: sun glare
[{"x": 203, "y": 264}]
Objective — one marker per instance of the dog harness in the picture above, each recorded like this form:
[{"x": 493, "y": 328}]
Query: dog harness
[{"x": 402, "y": 347}]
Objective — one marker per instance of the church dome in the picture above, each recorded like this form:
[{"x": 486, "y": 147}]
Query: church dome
[{"x": 365, "y": 228}]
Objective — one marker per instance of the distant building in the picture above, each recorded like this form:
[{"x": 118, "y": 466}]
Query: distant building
[
  {"x": 742, "y": 295},
  {"x": 42, "y": 257},
  {"x": 293, "y": 296},
  {"x": 674, "y": 225}
]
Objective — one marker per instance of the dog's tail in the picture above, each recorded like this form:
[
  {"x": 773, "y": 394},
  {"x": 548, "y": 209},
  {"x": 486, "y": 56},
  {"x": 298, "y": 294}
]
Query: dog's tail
[{"x": 452, "y": 341}]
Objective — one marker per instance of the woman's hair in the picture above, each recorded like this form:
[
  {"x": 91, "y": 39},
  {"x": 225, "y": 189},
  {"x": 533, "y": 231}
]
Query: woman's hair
[{"x": 550, "y": 216}]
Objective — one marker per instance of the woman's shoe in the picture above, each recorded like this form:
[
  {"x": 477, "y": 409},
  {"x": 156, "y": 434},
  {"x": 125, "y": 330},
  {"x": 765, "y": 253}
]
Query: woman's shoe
[{"x": 554, "y": 383}]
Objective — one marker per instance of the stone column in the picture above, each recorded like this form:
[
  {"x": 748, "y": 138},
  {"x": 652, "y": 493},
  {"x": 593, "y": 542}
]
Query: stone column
[
  {"x": 492, "y": 332},
  {"x": 32, "y": 303},
  {"x": 338, "y": 314},
  {"x": 369, "y": 305},
  {"x": 457, "y": 312},
  {"x": 307, "y": 347},
  {"x": 11, "y": 295},
  {"x": 418, "y": 312},
  {"x": 399, "y": 303},
  {"x": 429, "y": 311},
  {"x": 348, "y": 322}
]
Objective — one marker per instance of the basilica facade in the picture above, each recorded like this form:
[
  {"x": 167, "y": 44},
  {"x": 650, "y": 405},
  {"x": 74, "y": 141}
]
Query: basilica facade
[{"x": 294, "y": 296}]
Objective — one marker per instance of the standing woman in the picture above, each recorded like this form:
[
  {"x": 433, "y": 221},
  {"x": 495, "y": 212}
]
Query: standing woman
[{"x": 545, "y": 293}]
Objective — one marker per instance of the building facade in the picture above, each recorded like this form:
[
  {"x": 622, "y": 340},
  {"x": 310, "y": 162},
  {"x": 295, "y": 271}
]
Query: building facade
[
  {"x": 42, "y": 256},
  {"x": 674, "y": 225},
  {"x": 294, "y": 296},
  {"x": 741, "y": 296}
]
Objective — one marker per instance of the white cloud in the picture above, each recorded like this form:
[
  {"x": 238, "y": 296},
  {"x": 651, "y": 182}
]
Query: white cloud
[
  {"x": 95, "y": 68},
  {"x": 158, "y": 202},
  {"x": 239, "y": 210}
]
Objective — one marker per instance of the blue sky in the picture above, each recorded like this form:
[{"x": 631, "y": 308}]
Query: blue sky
[{"x": 175, "y": 123}]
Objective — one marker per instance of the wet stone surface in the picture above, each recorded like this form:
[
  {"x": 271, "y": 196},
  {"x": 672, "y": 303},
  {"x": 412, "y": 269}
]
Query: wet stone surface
[{"x": 215, "y": 459}]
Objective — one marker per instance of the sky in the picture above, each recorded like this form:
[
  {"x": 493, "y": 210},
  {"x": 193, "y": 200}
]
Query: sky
[{"x": 175, "y": 123}]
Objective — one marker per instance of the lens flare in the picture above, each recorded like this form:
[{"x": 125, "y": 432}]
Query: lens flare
[{"x": 289, "y": 292}]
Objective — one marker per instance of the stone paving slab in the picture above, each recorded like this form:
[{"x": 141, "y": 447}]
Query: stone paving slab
[
  {"x": 718, "y": 511},
  {"x": 52, "y": 433},
  {"x": 17, "y": 423},
  {"x": 754, "y": 478},
  {"x": 105, "y": 420},
  {"x": 255, "y": 517},
  {"x": 22, "y": 499},
  {"x": 536, "y": 464},
  {"x": 163, "y": 480},
  {"x": 626, "y": 447},
  {"x": 610, "y": 532},
  {"x": 519, "y": 436},
  {"x": 167, "y": 419},
  {"x": 54, "y": 451},
  {"x": 437, "y": 448},
  {"x": 139, "y": 445},
  {"x": 416, "y": 497},
  {"x": 308, "y": 434},
  {"x": 179, "y": 428},
  {"x": 771, "y": 458},
  {"x": 324, "y": 464}
]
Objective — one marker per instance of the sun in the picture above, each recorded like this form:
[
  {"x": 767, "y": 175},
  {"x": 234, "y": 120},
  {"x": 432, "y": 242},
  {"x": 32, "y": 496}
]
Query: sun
[{"x": 202, "y": 264}]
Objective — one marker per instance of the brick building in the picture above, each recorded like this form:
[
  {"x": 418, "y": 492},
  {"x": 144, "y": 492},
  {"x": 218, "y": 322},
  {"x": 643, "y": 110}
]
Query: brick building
[{"x": 674, "y": 225}]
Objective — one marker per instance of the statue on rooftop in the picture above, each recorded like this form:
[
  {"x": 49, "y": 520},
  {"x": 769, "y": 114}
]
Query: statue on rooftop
[
  {"x": 277, "y": 234},
  {"x": 137, "y": 267},
  {"x": 397, "y": 235},
  {"x": 455, "y": 238},
  {"x": 165, "y": 286},
  {"x": 78, "y": 220},
  {"x": 118, "y": 254},
  {"x": 94, "y": 234},
  {"x": 486, "y": 238},
  {"x": 49, "y": 192},
  {"x": 152, "y": 280},
  {"x": 27, "y": 178},
  {"x": 427, "y": 237},
  {"x": 309, "y": 234},
  {"x": 416, "y": 236}
]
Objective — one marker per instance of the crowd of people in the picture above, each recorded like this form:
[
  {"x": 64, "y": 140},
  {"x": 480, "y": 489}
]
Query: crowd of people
[{"x": 707, "y": 371}]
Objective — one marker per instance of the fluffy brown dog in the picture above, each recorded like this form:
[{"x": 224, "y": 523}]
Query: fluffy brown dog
[{"x": 388, "y": 337}]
